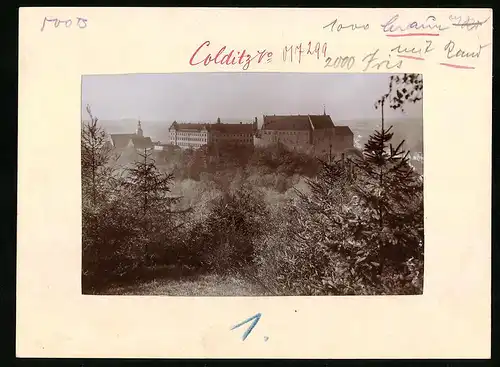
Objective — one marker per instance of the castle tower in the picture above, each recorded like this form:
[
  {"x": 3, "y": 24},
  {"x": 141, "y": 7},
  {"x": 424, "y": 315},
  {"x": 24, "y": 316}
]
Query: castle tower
[
  {"x": 139, "y": 129},
  {"x": 324, "y": 110}
]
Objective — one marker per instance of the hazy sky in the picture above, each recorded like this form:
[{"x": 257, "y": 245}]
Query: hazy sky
[{"x": 206, "y": 96}]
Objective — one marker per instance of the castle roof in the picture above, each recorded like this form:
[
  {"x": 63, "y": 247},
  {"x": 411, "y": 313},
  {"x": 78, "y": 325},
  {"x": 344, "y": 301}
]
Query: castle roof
[
  {"x": 321, "y": 121},
  {"x": 232, "y": 128},
  {"x": 297, "y": 122},
  {"x": 343, "y": 130},
  {"x": 286, "y": 123}
]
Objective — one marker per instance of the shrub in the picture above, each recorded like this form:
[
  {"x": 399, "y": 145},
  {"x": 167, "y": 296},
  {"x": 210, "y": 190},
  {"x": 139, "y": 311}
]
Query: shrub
[
  {"x": 112, "y": 243},
  {"x": 285, "y": 266},
  {"x": 234, "y": 222}
]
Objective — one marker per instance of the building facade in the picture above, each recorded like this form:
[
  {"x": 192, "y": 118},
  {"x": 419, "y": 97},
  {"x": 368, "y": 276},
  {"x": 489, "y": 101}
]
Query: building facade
[
  {"x": 312, "y": 134},
  {"x": 194, "y": 136},
  {"x": 187, "y": 135}
]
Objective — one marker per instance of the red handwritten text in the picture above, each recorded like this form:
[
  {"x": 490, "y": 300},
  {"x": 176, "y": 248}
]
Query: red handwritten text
[{"x": 228, "y": 57}]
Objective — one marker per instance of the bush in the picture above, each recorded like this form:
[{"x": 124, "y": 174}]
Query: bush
[
  {"x": 233, "y": 224},
  {"x": 285, "y": 266},
  {"x": 112, "y": 244}
]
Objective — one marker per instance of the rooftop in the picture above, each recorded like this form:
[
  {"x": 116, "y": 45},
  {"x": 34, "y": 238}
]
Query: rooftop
[
  {"x": 240, "y": 128},
  {"x": 297, "y": 122},
  {"x": 121, "y": 140},
  {"x": 187, "y": 126},
  {"x": 343, "y": 130}
]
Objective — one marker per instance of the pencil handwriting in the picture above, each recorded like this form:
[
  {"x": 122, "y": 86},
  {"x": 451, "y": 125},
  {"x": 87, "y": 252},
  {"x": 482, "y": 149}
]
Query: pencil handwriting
[
  {"x": 294, "y": 53},
  {"x": 340, "y": 62},
  {"x": 401, "y": 49},
  {"x": 456, "y": 52},
  {"x": 469, "y": 23},
  {"x": 335, "y": 26},
  {"x": 412, "y": 28},
  {"x": 67, "y": 23},
  {"x": 373, "y": 61}
]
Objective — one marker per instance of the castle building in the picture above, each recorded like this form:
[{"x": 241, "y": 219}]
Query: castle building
[
  {"x": 314, "y": 134},
  {"x": 131, "y": 141},
  {"x": 187, "y": 135}
]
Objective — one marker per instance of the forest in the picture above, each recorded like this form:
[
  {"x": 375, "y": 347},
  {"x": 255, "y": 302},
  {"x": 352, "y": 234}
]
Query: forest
[{"x": 282, "y": 222}]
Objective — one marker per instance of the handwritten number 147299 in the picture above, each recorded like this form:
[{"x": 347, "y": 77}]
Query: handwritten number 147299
[{"x": 67, "y": 23}]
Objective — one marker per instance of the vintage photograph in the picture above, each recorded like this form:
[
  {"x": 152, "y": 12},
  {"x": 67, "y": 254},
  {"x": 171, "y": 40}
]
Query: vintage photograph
[{"x": 252, "y": 184}]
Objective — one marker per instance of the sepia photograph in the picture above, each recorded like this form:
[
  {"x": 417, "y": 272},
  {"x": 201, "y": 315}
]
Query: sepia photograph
[{"x": 252, "y": 184}]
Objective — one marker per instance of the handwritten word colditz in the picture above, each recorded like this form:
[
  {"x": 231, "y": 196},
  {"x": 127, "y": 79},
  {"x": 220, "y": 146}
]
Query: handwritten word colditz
[
  {"x": 231, "y": 57},
  {"x": 67, "y": 23}
]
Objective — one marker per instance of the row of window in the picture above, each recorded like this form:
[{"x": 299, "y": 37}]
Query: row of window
[
  {"x": 188, "y": 133},
  {"x": 204, "y": 134},
  {"x": 284, "y": 132},
  {"x": 192, "y": 139},
  {"x": 233, "y": 135},
  {"x": 239, "y": 140},
  {"x": 185, "y": 144}
]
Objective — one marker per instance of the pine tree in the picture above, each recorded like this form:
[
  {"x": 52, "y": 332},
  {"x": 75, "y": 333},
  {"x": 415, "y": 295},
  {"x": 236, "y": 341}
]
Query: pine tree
[
  {"x": 151, "y": 187},
  {"x": 106, "y": 229},
  {"x": 390, "y": 189},
  {"x": 95, "y": 156},
  {"x": 150, "y": 192}
]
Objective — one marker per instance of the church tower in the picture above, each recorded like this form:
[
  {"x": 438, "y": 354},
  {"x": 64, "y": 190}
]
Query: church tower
[{"x": 139, "y": 129}]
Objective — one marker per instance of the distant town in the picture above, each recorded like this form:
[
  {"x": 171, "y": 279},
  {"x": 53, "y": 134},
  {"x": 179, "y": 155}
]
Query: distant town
[{"x": 316, "y": 135}]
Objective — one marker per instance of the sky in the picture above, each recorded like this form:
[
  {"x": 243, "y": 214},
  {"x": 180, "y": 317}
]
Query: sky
[{"x": 234, "y": 95}]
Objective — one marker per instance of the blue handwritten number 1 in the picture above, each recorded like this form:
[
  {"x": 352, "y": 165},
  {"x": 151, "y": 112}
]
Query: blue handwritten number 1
[{"x": 255, "y": 319}]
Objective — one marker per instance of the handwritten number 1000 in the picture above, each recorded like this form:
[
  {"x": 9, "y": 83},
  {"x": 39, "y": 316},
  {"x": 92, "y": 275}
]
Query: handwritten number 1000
[{"x": 80, "y": 22}]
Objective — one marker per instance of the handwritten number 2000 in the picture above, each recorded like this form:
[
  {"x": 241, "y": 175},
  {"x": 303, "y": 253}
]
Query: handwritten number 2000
[{"x": 342, "y": 62}]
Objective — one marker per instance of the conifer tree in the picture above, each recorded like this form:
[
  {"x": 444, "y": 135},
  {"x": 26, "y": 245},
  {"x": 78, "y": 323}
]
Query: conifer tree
[
  {"x": 151, "y": 187},
  {"x": 150, "y": 191},
  {"x": 390, "y": 189},
  {"x": 95, "y": 156},
  {"x": 106, "y": 229}
]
